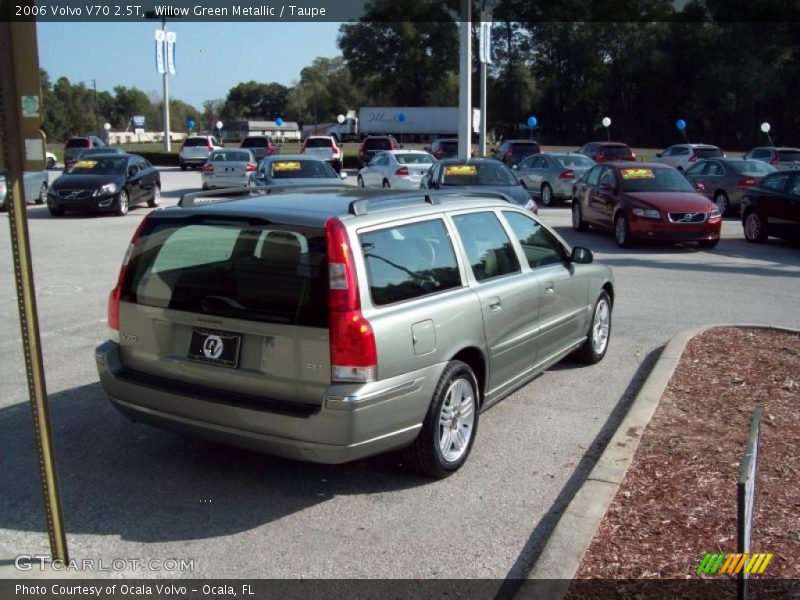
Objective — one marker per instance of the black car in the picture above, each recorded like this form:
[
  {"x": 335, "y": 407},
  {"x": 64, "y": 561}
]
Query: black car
[
  {"x": 511, "y": 152},
  {"x": 772, "y": 208},
  {"x": 105, "y": 183}
]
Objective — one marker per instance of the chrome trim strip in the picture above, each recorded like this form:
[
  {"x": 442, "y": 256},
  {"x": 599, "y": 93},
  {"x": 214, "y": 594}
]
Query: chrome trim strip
[{"x": 361, "y": 400}]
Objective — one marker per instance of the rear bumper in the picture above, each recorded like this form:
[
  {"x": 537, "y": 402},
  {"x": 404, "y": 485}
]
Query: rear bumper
[
  {"x": 354, "y": 421},
  {"x": 193, "y": 160}
]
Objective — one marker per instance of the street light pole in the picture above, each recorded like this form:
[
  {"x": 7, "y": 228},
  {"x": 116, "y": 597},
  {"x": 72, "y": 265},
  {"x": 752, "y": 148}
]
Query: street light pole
[
  {"x": 465, "y": 83},
  {"x": 165, "y": 84}
]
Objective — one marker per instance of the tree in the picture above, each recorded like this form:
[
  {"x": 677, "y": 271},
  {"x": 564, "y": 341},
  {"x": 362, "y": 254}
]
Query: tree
[
  {"x": 254, "y": 100},
  {"x": 403, "y": 52},
  {"x": 325, "y": 90}
]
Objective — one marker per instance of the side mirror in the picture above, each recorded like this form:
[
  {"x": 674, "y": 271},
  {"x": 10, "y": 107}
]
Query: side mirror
[
  {"x": 343, "y": 174},
  {"x": 700, "y": 187},
  {"x": 581, "y": 255},
  {"x": 132, "y": 171}
]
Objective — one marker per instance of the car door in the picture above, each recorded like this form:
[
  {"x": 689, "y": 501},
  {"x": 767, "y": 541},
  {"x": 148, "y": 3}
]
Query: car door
[
  {"x": 587, "y": 189},
  {"x": 601, "y": 198},
  {"x": 564, "y": 303},
  {"x": 134, "y": 182},
  {"x": 713, "y": 175},
  {"x": 537, "y": 172},
  {"x": 787, "y": 211},
  {"x": 374, "y": 174},
  {"x": 148, "y": 178},
  {"x": 509, "y": 300},
  {"x": 524, "y": 171},
  {"x": 696, "y": 175}
]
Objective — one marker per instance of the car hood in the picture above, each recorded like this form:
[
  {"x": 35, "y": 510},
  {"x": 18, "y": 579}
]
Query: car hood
[
  {"x": 673, "y": 201},
  {"x": 517, "y": 193},
  {"x": 87, "y": 181}
]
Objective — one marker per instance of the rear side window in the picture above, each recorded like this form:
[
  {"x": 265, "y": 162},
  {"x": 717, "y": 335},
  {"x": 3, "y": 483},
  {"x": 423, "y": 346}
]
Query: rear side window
[
  {"x": 319, "y": 143},
  {"x": 190, "y": 142},
  {"x": 525, "y": 148},
  {"x": 232, "y": 268},
  {"x": 488, "y": 248},
  {"x": 708, "y": 153},
  {"x": 409, "y": 261},
  {"x": 255, "y": 142},
  {"x": 776, "y": 183},
  {"x": 78, "y": 143}
]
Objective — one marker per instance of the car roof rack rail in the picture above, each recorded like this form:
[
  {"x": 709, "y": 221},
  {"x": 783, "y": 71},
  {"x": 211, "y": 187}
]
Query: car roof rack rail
[
  {"x": 241, "y": 193},
  {"x": 360, "y": 207}
]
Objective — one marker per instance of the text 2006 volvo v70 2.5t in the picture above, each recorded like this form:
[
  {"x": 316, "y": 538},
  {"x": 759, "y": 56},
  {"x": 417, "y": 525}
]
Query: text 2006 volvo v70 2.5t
[{"x": 331, "y": 325}]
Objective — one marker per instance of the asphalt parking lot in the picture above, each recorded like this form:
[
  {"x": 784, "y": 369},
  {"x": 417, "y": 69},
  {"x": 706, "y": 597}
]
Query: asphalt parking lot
[{"x": 132, "y": 491}]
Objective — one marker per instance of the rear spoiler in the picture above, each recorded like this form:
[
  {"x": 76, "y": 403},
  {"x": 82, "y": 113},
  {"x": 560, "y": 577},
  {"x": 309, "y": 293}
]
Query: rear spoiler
[{"x": 240, "y": 193}]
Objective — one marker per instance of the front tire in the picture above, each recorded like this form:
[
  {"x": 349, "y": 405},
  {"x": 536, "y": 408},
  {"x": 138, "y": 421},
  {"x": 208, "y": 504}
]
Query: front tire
[
  {"x": 51, "y": 163},
  {"x": 155, "y": 199},
  {"x": 578, "y": 224},
  {"x": 755, "y": 228},
  {"x": 594, "y": 348},
  {"x": 450, "y": 426},
  {"x": 547, "y": 194},
  {"x": 622, "y": 231},
  {"x": 56, "y": 212},
  {"x": 183, "y": 166},
  {"x": 122, "y": 203}
]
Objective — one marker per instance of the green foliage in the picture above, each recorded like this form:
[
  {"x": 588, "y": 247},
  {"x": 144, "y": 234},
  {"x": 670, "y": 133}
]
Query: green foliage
[
  {"x": 255, "y": 101},
  {"x": 325, "y": 90}
]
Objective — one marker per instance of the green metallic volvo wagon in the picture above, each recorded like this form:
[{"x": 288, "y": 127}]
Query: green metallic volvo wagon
[{"x": 331, "y": 324}]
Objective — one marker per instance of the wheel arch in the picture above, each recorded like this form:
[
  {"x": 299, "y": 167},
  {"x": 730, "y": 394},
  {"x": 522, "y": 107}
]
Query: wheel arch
[{"x": 474, "y": 357}]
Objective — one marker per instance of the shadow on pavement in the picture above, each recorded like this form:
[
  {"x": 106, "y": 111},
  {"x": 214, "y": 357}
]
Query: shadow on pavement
[{"x": 148, "y": 485}]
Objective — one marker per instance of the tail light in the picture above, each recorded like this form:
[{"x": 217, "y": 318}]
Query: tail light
[
  {"x": 352, "y": 342},
  {"x": 116, "y": 293},
  {"x": 775, "y": 160},
  {"x": 335, "y": 148},
  {"x": 567, "y": 175},
  {"x": 208, "y": 168},
  {"x": 438, "y": 154},
  {"x": 747, "y": 182},
  {"x": 693, "y": 157},
  {"x": 633, "y": 156},
  {"x": 599, "y": 156},
  {"x": 401, "y": 171},
  {"x": 210, "y": 147},
  {"x": 250, "y": 168}
]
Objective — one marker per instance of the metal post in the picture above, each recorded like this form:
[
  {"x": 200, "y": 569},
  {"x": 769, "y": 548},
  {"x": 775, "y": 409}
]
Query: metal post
[
  {"x": 465, "y": 83},
  {"x": 19, "y": 72},
  {"x": 482, "y": 127},
  {"x": 167, "y": 141}
]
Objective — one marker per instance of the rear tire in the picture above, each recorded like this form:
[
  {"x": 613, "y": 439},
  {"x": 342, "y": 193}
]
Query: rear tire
[
  {"x": 183, "y": 166},
  {"x": 594, "y": 348},
  {"x": 51, "y": 163},
  {"x": 547, "y": 195},
  {"x": 578, "y": 224},
  {"x": 450, "y": 426},
  {"x": 155, "y": 199},
  {"x": 56, "y": 212}
]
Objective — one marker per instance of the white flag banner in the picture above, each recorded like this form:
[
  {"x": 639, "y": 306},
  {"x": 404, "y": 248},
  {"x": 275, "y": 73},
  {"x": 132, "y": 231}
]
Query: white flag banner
[
  {"x": 160, "y": 35},
  {"x": 485, "y": 39},
  {"x": 171, "y": 36}
]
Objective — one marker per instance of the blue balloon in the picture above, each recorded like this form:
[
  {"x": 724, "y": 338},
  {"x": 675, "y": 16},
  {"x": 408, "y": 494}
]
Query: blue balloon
[
  {"x": 278, "y": 121},
  {"x": 532, "y": 121},
  {"x": 190, "y": 123},
  {"x": 401, "y": 117},
  {"x": 680, "y": 124}
]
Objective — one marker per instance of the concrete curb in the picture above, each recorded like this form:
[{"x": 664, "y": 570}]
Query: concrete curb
[{"x": 578, "y": 524}]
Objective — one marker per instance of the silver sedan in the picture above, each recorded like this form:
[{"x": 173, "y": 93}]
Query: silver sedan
[
  {"x": 34, "y": 185},
  {"x": 229, "y": 167},
  {"x": 552, "y": 174},
  {"x": 402, "y": 169}
]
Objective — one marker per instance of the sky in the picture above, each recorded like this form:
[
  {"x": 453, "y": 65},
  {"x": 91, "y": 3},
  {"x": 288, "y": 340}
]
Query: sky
[{"x": 210, "y": 58}]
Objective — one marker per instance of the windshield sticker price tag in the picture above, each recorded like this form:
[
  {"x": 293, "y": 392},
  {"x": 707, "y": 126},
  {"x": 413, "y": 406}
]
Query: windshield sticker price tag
[
  {"x": 85, "y": 164},
  {"x": 286, "y": 166},
  {"x": 460, "y": 170},
  {"x": 638, "y": 174}
]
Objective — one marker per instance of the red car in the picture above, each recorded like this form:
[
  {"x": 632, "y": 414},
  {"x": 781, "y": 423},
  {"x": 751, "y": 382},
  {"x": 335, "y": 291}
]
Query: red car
[
  {"x": 645, "y": 201},
  {"x": 607, "y": 151}
]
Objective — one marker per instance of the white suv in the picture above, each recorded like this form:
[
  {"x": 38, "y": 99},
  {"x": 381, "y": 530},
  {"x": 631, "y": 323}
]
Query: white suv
[
  {"x": 683, "y": 156},
  {"x": 324, "y": 147},
  {"x": 195, "y": 150}
]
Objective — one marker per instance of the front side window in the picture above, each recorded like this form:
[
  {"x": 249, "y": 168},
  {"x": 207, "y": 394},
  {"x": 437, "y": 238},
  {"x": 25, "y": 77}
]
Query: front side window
[
  {"x": 593, "y": 176},
  {"x": 541, "y": 247},
  {"x": 488, "y": 248},
  {"x": 776, "y": 183},
  {"x": 715, "y": 168},
  {"x": 409, "y": 261}
]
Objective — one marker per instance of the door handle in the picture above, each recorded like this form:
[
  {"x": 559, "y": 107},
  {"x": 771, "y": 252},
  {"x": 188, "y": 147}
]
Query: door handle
[
  {"x": 495, "y": 304},
  {"x": 549, "y": 288}
]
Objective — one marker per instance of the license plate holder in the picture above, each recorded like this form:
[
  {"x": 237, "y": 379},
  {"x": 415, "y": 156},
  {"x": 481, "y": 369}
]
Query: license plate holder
[{"x": 219, "y": 348}]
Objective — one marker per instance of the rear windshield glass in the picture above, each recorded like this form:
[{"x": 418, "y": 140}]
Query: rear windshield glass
[
  {"x": 318, "y": 143},
  {"x": 755, "y": 168},
  {"x": 305, "y": 169},
  {"x": 377, "y": 144},
  {"x": 574, "y": 160},
  {"x": 789, "y": 156},
  {"x": 78, "y": 143},
  {"x": 230, "y": 156},
  {"x": 415, "y": 159},
  {"x": 615, "y": 150},
  {"x": 244, "y": 269},
  {"x": 196, "y": 142},
  {"x": 708, "y": 153},
  {"x": 255, "y": 142},
  {"x": 525, "y": 148}
]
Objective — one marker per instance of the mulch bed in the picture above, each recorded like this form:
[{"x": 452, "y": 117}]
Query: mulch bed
[{"x": 678, "y": 500}]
